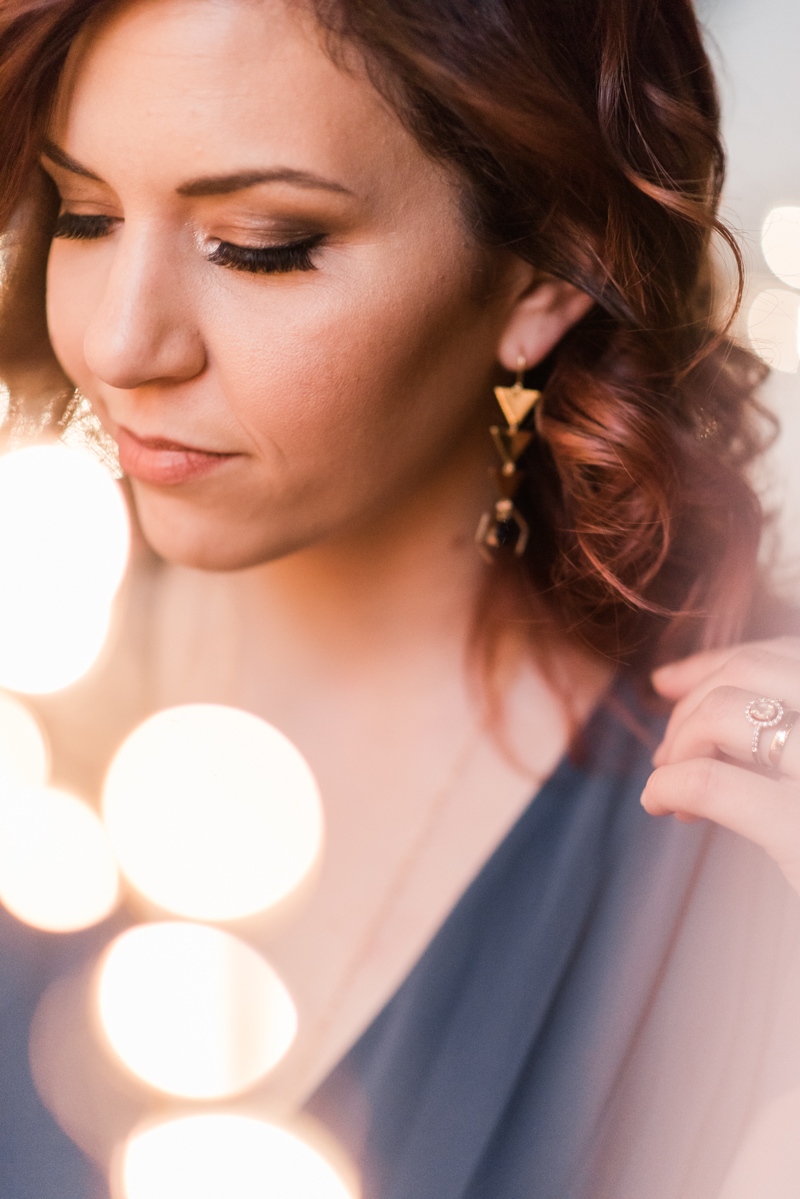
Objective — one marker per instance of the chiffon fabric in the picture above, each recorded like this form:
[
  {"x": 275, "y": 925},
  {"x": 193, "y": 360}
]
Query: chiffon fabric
[{"x": 603, "y": 1014}]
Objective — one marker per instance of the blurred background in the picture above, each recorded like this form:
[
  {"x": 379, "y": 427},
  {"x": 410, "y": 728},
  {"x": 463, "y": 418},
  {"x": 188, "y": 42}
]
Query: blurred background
[{"x": 754, "y": 44}]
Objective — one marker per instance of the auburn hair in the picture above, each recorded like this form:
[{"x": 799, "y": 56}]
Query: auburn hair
[{"x": 587, "y": 135}]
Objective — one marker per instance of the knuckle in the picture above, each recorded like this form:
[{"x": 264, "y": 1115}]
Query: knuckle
[
  {"x": 751, "y": 657},
  {"x": 717, "y": 704},
  {"x": 701, "y": 780}
]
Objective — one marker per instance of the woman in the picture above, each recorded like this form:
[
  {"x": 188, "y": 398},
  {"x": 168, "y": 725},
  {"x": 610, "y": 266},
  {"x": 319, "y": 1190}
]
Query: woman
[{"x": 289, "y": 251}]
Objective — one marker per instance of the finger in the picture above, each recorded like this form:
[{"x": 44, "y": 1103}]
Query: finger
[
  {"x": 676, "y": 679},
  {"x": 764, "y": 811},
  {"x": 753, "y": 668},
  {"x": 719, "y": 725}
]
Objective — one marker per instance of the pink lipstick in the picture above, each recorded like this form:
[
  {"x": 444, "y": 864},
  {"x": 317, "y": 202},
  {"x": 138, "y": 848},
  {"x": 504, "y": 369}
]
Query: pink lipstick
[{"x": 164, "y": 463}]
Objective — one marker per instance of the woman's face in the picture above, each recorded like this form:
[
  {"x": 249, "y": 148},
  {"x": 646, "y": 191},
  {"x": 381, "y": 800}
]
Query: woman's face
[{"x": 263, "y": 285}]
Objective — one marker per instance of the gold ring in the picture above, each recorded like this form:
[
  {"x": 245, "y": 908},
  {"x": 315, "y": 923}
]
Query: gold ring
[
  {"x": 763, "y": 713},
  {"x": 779, "y": 740}
]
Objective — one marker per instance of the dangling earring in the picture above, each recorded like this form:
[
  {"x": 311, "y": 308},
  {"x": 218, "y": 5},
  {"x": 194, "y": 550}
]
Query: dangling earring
[{"x": 504, "y": 529}]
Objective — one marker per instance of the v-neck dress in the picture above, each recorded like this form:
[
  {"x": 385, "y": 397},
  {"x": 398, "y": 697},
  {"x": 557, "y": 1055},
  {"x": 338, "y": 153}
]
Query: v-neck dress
[{"x": 600, "y": 1016}]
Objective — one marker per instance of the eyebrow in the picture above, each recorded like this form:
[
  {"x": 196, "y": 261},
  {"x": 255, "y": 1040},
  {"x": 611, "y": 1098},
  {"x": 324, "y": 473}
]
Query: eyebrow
[
  {"x": 212, "y": 185},
  {"x": 61, "y": 159},
  {"x": 221, "y": 185}
]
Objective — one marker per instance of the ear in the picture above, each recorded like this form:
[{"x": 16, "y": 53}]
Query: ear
[{"x": 539, "y": 320}]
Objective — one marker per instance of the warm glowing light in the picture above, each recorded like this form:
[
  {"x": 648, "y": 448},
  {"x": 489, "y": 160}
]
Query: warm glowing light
[
  {"x": 23, "y": 752},
  {"x": 213, "y": 1155},
  {"x": 213, "y": 813},
  {"x": 192, "y": 1010},
  {"x": 780, "y": 242},
  {"x": 772, "y": 325},
  {"x": 64, "y": 540},
  {"x": 57, "y": 869}
]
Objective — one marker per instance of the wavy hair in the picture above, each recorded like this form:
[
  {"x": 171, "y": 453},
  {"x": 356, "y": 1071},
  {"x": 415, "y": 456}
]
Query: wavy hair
[{"x": 587, "y": 134}]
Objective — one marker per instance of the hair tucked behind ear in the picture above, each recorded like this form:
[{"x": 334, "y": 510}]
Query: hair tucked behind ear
[{"x": 586, "y": 132}]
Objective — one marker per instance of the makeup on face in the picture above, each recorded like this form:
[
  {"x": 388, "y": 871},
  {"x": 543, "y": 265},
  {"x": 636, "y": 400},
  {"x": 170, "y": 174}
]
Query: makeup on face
[
  {"x": 164, "y": 463},
  {"x": 261, "y": 282}
]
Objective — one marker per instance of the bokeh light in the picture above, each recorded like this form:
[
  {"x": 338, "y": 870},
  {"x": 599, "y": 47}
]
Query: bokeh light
[
  {"x": 214, "y": 1155},
  {"x": 772, "y": 326},
  {"x": 24, "y": 758},
  {"x": 780, "y": 243},
  {"x": 57, "y": 868},
  {"x": 213, "y": 813},
  {"x": 192, "y": 1010},
  {"x": 64, "y": 542}
]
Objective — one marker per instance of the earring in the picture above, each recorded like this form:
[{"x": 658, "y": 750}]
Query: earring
[{"x": 504, "y": 529}]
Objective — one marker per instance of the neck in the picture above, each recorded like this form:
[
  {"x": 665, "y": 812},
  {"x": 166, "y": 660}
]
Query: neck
[
  {"x": 410, "y": 576},
  {"x": 369, "y": 632}
]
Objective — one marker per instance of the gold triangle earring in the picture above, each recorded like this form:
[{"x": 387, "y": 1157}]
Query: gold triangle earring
[{"x": 504, "y": 530}]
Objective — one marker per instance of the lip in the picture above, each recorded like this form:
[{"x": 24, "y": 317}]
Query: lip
[{"x": 164, "y": 463}]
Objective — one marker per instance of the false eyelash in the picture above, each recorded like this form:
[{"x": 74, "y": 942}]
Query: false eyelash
[
  {"x": 272, "y": 260},
  {"x": 257, "y": 260},
  {"x": 80, "y": 227}
]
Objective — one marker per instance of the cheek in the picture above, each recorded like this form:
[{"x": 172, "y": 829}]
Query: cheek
[
  {"x": 369, "y": 375},
  {"x": 70, "y": 291},
  {"x": 350, "y": 397}
]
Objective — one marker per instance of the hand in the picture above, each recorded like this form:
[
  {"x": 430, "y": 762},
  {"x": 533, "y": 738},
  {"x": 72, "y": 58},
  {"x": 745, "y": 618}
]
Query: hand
[{"x": 691, "y": 781}]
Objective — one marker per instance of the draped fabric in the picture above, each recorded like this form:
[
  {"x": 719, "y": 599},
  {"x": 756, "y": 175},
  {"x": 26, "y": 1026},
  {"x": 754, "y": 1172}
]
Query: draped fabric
[
  {"x": 37, "y": 1159},
  {"x": 601, "y": 1016}
]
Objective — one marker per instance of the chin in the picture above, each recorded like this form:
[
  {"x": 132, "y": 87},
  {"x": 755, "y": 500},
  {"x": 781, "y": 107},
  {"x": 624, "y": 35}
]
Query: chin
[{"x": 205, "y": 541}]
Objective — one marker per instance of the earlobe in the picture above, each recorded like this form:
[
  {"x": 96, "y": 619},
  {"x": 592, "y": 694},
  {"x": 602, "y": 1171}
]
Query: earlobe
[{"x": 539, "y": 321}]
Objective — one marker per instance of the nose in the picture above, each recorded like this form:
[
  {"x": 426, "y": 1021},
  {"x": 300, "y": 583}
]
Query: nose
[{"x": 143, "y": 329}]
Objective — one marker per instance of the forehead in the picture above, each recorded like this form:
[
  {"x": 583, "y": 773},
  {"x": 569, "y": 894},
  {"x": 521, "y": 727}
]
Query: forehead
[{"x": 164, "y": 83}]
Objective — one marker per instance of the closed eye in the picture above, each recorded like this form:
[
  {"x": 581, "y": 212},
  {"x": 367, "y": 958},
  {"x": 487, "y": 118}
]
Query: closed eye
[
  {"x": 80, "y": 227},
  {"x": 257, "y": 260},
  {"x": 267, "y": 260}
]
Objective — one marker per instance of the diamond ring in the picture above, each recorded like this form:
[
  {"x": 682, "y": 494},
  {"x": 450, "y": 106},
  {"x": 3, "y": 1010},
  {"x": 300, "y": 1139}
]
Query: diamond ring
[{"x": 762, "y": 713}]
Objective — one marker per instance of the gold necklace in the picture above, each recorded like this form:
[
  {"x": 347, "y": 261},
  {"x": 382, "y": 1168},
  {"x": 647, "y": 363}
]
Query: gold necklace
[{"x": 391, "y": 895}]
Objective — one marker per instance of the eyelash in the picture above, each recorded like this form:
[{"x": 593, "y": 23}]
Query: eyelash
[
  {"x": 256, "y": 260},
  {"x": 82, "y": 228},
  {"x": 267, "y": 260}
]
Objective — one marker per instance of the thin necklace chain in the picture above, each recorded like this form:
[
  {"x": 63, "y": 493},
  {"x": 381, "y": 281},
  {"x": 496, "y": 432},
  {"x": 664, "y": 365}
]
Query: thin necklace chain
[{"x": 391, "y": 895}]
